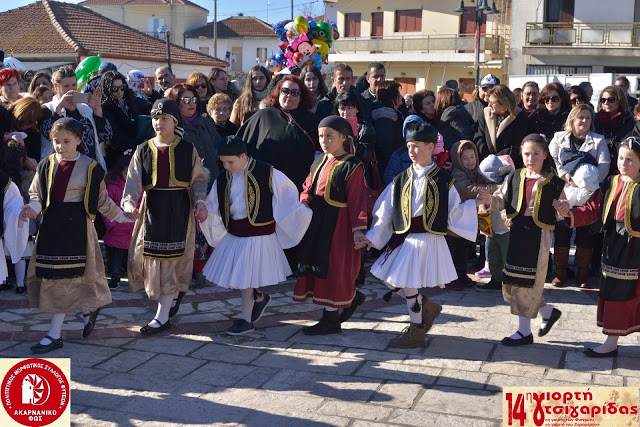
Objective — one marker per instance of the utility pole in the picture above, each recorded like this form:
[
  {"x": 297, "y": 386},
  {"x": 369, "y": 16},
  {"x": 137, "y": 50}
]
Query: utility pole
[
  {"x": 168, "y": 36},
  {"x": 292, "y": 10},
  {"x": 215, "y": 28}
]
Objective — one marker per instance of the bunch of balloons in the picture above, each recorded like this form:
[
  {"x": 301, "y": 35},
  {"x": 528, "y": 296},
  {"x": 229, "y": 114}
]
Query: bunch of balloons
[
  {"x": 85, "y": 70},
  {"x": 305, "y": 41}
]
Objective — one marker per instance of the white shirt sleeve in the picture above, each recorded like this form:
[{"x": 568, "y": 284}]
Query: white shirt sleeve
[
  {"x": 463, "y": 217},
  {"x": 292, "y": 217},
  {"x": 16, "y": 231},
  {"x": 381, "y": 226}
]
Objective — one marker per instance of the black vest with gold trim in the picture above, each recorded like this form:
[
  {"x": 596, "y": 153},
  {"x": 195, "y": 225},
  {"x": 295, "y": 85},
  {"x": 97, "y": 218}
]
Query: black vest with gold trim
[
  {"x": 95, "y": 175},
  {"x": 335, "y": 192},
  {"x": 5, "y": 182},
  {"x": 435, "y": 201},
  {"x": 548, "y": 190},
  {"x": 631, "y": 206},
  {"x": 257, "y": 192},
  {"x": 180, "y": 163}
]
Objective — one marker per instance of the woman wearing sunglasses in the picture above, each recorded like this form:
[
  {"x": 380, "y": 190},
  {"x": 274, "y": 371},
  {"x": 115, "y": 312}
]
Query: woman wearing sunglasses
[
  {"x": 551, "y": 114},
  {"x": 121, "y": 107},
  {"x": 200, "y": 83},
  {"x": 198, "y": 130},
  {"x": 613, "y": 120}
]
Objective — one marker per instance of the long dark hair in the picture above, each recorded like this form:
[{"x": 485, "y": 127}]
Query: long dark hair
[
  {"x": 106, "y": 87},
  {"x": 548, "y": 165},
  {"x": 12, "y": 156},
  {"x": 322, "y": 86},
  {"x": 562, "y": 93}
]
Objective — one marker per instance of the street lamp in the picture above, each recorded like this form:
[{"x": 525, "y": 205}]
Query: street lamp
[{"x": 482, "y": 9}]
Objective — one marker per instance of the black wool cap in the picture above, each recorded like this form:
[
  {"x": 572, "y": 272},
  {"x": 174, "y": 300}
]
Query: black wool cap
[
  {"x": 232, "y": 146},
  {"x": 68, "y": 124},
  {"x": 336, "y": 123},
  {"x": 169, "y": 107},
  {"x": 421, "y": 131}
]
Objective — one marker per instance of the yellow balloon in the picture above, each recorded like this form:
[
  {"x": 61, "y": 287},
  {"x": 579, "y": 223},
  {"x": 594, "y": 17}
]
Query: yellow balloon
[
  {"x": 321, "y": 47},
  {"x": 301, "y": 24}
]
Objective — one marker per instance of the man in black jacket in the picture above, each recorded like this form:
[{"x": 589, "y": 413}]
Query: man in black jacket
[
  {"x": 165, "y": 79},
  {"x": 342, "y": 81},
  {"x": 476, "y": 108}
]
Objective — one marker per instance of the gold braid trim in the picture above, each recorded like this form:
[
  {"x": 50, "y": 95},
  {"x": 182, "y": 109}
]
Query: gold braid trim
[
  {"x": 327, "y": 189},
  {"x": 52, "y": 164},
  {"x": 227, "y": 200},
  {"x": 6, "y": 187},
  {"x": 612, "y": 191},
  {"x": 627, "y": 209},
  {"x": 87, "y": 190},
  {"x": 154, "y": 165},
  {"x": 523, "y": 172},
  {"x": 172, "y": 163},
  {"x": 405, "y": 202},
  {"x": 252, "y": 199},
  {"x": 536, "y": 202},
  {"x": 430, "y": 206}
]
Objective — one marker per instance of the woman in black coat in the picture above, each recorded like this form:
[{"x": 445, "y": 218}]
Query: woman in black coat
[
  {"x": 121, "y": 108},
  {"x": 551, "y": 114},
  {"x": 502, "y": 127},
  {"x": 613, "y": 121},
  {"x": 387, "y": 121}
]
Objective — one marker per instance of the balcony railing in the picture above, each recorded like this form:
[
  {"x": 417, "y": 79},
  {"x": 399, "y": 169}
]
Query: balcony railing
[
  {"x": 453, "y": 43},
  {"x": 584, "y": 34}
]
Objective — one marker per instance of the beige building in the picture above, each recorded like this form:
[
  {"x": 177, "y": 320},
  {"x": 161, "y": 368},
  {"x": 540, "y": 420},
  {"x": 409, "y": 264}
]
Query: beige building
[
  {"x": 147, "y": 16},
  {"x": 422, "y": 43}
]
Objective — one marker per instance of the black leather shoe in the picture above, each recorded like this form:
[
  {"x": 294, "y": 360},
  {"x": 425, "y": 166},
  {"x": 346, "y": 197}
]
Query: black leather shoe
[
  {"x": 54, "y": 345},
  {"x": 329, "y": 324},
  {"x": 590, "y": 353},
  {"x": 348, "y": 312},
  {"x": 20, "y": 289},
  {"x": 508, "y": 341},
  {"x": 150, "y": 330},
  {"x": 88, "y": 328},
  {"x": 174, "y": 310},
  {"x": 6, "y": 287},
  {"x": 555, "y": 315}
]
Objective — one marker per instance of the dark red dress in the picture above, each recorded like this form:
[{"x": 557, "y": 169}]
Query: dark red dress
[
  {"x": 619, "y": 318},
  {"x": 338, "y": 289}
]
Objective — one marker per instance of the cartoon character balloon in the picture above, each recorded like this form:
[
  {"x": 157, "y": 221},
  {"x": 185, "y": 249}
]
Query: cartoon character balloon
[
  {"x": 305, "y": 41},
  {"x": 85, "y": 70}
]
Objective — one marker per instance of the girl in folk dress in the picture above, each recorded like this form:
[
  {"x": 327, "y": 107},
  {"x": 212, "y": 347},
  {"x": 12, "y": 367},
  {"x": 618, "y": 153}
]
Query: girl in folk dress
[
  {"x": 410, "y": 226},
  {"x": 67, "y": 274},
  {"x": 168, "y": 170},
  {"x": 329, "y": 262},
  {"x": 617, "y": 203},
  {"x": 528, "y": 195},
  {"x": 254, "y": 213}
]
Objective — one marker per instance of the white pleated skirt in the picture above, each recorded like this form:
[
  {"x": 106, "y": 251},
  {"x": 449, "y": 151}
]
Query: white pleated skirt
[
  {"x": 4, "y": 272},
  {"x": 247, "y": 262},
  {"x": 422, "y": 261},
  {"x": 27, "y": 251}
]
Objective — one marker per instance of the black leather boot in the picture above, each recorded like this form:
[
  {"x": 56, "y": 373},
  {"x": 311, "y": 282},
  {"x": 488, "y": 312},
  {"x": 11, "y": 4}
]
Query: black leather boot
[{"x": 329, "y": 324}]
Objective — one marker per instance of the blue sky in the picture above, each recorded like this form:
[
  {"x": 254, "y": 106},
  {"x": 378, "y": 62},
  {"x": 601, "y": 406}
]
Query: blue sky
[{"x": 278, "y": 10}]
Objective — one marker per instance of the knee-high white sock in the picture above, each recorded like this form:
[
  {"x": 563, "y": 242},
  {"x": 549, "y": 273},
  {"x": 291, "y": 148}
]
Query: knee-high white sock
[
  {"x": 55, "y": 329},
  {"x": 20, "y": 267},
  {"x": 545, "y": 312},
  {"x": 414, "y": 301},
  {"x": 610, "y": 344},
  {"x": 330, "y": 308},
  {"x": 162, "y": 314},
  {"x": 247, "y": 304}
]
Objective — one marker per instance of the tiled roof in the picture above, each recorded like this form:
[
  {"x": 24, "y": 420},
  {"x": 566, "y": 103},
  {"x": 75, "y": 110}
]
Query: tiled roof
[
  {"x": 139, "y": 2},
  {"x": 236, "y": 27},
  {"x": 54, "y": 27}
]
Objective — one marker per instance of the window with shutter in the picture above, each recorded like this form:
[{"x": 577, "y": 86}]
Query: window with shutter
[
  {"x": 408, "y": 20},
  {"x": 352, "y": 25}
]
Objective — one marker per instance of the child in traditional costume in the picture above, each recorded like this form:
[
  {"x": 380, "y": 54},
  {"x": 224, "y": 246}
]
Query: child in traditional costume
[
  {"x": 168, "y": 170},
  {"x": 411, "y": 219},
  {"x": 528, "y": 195},
  {"x": 254, "y": 213},
  {"x": 328, "y": 261},
  {"x": 617, "y": 203},
  {"x": 66, "y": 271}
]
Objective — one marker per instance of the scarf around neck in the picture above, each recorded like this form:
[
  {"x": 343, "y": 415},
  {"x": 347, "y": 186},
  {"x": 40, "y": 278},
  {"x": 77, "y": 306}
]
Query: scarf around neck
[{"x": 610, "y": 122}]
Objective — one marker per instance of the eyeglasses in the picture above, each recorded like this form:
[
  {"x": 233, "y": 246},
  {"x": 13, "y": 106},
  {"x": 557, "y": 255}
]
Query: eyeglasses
[
  {"x": 188, "y": 101},
  {"x": 201, "y": 86},
  {"x": 291, "y": 92},
  {"x": 576, "y": 101},
  {"x": 609, "y": 100},
  {"x": 121, "y": 88},
  {"x": 551, "y": 98}
]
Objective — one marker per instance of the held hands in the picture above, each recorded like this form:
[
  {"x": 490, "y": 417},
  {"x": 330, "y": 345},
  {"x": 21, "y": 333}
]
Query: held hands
[
  {"x": 484, "y": 197},
  {"x": 130, "y": 211},
  {"x": 361, "y": 241},
  {"x": 201, "y": 212},
  {"x": 27, "y": 213},
  {"x": 563, "y": 207}
]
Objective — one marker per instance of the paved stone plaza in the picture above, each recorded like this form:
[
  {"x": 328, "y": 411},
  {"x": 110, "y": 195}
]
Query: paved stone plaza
[{"x": 195, "y": 375}]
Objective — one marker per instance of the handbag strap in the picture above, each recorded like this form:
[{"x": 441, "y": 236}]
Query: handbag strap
[{"x": 293, "y": 121}]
